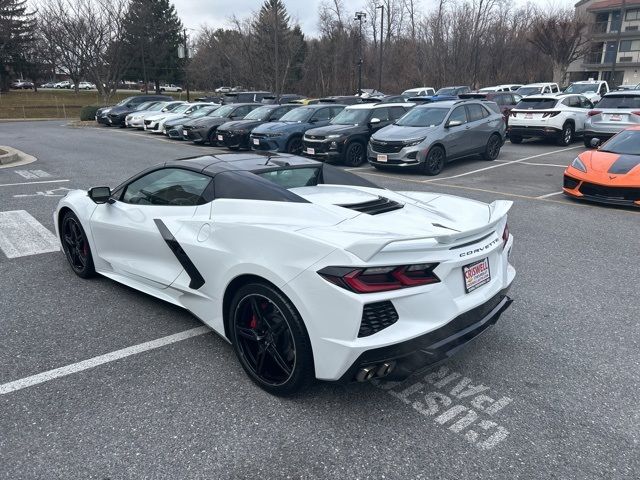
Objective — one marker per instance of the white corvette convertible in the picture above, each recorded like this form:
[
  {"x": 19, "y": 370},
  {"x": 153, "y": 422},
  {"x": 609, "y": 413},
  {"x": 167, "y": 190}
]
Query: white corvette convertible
[{"x": 309, "y": 271}]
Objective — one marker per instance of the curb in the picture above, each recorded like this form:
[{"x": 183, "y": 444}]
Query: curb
[
  {"x": 7, "y": 120},
  {"x": 14, "y": 157}
]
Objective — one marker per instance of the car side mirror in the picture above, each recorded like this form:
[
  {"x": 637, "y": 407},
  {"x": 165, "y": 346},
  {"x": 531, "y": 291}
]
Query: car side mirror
[
  {"x": 453, "y": 123},
  {"x": 374, "y": 121},
  {"x": 100, "y": 194},
  {"x": 595, "y": 143}
]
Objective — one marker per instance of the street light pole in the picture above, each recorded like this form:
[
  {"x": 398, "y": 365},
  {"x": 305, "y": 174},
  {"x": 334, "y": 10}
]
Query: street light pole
[
  {"x": 360, "y": 16},
  {"x": 381, "y": 7},
  {"x": 275, "y": 33},
  {"x": 186, "y": 61}
]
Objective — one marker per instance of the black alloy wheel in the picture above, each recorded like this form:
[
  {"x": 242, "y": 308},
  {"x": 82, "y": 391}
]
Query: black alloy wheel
[
  {"x": 434, "y": 163},
  {"x": 270, "y": 340},
  {"x": 76, "y": 246},
  {"x": 492, "y": 149},
  {"x": 294, "y": 145},
  {"x": 211, "y": 138},
  {"x": 354, "y": 155}
]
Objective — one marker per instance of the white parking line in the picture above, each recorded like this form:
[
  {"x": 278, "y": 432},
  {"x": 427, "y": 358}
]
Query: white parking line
[
  {"x": 500, "y": 165},
  {"x": 99, "y": 360},
  {"x": 28, "y": 174},
  {"x": 22, "y": 235},
  {"x": 32, "y": 183},
  {"x": 550, "y": 195},
  {"x": 536, "y": 164}
]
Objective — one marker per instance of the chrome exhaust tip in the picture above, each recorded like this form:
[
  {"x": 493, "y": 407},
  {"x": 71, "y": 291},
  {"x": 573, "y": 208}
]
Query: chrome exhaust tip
[
  {"x": 385, "y": 369},
  {"x": 366, "y": 373}
]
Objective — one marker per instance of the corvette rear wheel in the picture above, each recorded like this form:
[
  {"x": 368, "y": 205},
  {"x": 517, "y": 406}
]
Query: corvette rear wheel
[
  {"x": 270, "y": 339},
  {"x": 76, "y": 246}
]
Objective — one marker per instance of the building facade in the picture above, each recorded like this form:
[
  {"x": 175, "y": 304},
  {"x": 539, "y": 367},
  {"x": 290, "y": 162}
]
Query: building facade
[{"x": 614, "y": 50}]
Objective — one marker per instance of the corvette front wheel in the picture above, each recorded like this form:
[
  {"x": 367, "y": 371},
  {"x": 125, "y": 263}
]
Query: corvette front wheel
[
  {"x": 76, "y": 246},
  {"x": 270, "y": 339}
]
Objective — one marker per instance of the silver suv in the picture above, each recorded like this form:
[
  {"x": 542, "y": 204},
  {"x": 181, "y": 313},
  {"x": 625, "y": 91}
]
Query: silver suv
[
  {"x": 431, "y": 135},
  {"x": 615, "y": 112}
]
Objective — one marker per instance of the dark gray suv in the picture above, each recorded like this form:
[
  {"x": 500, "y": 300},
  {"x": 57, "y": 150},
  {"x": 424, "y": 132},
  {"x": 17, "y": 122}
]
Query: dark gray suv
[{"x": 431, "y": 135}]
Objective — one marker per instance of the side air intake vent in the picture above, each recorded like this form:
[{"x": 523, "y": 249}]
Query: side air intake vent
[
  {"x": 376, "y": 317},
  {"x": 374, "y": 207}
]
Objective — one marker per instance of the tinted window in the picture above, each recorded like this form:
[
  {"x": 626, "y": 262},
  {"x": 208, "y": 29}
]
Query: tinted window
[
  {"x": 168, "y": 186},
  {"x": 501, "y": 99},
  {"x": 382, "y": 114},
  {"x": 476, "y": 112},
  {"x": 528, "y": 90},
  {"x": 322, "y": 115},
  {"x": 294, "y": 177},
  {"x": 397, "y": 112},
  {"x": 335, "y": 111},
  {"x": 554, "y": 89},
  {"x": 300, "y": 114},
  {"x": 423, "y": 117},
  {"x": 620, "y": 101},
  {"x": 582, "y": 88},
  {"x": 536, "y": 103},
  {"x": 352, "y": 116},
  {"x": 585, "y": 102},
  {"x": 459, "y": 114}
]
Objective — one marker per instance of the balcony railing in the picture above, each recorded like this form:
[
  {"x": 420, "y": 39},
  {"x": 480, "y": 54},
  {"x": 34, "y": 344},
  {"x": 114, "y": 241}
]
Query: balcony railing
[
  {"x": 598, "y": 58},
  {"x": 607, "y": 28}
]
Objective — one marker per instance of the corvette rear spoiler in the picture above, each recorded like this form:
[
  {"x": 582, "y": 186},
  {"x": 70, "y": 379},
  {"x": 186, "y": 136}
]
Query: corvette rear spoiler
[{"x": 366, "y": 249}]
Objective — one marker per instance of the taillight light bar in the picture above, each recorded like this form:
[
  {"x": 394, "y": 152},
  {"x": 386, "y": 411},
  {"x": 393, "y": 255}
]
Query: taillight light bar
[
  {"x": 380, "y": 279},
  {"x": 549, "y": 114},
  {"x": 592, "y": 113}
]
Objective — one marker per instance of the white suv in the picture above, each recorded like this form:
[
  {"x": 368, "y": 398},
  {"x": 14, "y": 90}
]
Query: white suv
[
  {"x": 170, "y": 88},
  {"x": 559, "y": 116},
  {"x": 538, "y": 89}
]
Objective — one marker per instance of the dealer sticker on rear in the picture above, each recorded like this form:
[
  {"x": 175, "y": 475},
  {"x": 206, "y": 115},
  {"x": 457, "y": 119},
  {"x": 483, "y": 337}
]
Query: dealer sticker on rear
[{"x": 476, "y": 274}]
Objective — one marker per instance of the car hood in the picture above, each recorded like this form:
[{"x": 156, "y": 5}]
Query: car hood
[
  {"x": 241, "y": 125},
  {"x": 331, "y": 130},
  {"x": 120, "y": 110},
  {"x": 419, "y": 220},
  {"x": 272, "y": 127},
  {"x": 397, "y": 132},
  {"x": 613, "y": 164}
]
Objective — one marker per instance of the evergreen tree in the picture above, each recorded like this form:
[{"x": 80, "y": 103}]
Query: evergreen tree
[
  {"x": 16, "y": 26},
  {"x": 153, "y": 32}
]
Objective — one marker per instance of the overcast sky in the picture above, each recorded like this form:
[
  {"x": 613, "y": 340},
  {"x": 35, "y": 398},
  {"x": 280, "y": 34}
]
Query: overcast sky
[{"x": 195, "y": 13}]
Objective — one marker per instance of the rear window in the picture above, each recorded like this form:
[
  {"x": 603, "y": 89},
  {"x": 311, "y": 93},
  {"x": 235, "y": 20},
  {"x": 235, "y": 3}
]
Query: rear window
[
  {"x": 536, "y": 103},
  {"x": 293, "y": 177},
  {"x": 620, "y": 101}
]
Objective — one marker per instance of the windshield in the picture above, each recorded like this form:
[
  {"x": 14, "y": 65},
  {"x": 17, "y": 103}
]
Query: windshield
[
  {"x": 224, "y": 111},
  {"x": 582, "y": 88},
  {"x": 412, "y": 93},
  {"x": 260, "y": 113},
  {"x": 626, "y": 142},
  {"x": 354, "y": 116},
  {"x": 620, "y": 101},
  {"x": 204, "y": 111},
  {"x": 144, "y": 106},
  {"x": 447, "y": 91},
  {"x": 300, "y": 114},
  {"x": 181, "y": 108},
  {"x": 529, "y": 90},
  {"x": 171, "y": 107},
  {"x": 158, "y": 106},
  {"x": 124, "y": 101},
  {"x": 536, "y": 103},
  {"x": 293, "y": 177},
  {"x": 423, "y": 117}
]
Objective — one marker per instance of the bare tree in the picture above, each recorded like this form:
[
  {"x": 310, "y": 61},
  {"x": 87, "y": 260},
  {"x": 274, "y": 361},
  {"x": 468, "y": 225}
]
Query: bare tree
[{"x": 560, "y": 34}]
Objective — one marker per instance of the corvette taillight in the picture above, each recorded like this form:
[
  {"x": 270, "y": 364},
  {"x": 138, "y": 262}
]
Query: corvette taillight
[
  {"x": 593, "y": 113},
  {"x": 380, "y": 279},
  {"x": 505, "y": 235}
]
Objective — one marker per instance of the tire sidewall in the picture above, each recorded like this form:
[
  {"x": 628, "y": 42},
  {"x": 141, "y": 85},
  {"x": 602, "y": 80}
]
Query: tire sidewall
[
  {"x": 89, "y": 269},
  {"x": 434, "y": 171},
  {"x": 293, "y": 141},
  {"x": 487, "y": 155},
  {"x": 562, "y": 140},
  {"x": 303, "y": 371}
]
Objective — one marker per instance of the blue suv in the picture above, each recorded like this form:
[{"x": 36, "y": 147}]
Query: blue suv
[{"x": 285, "y": 135}]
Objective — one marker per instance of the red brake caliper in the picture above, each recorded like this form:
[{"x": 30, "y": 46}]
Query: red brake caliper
[{"x": 254, "y": 321}]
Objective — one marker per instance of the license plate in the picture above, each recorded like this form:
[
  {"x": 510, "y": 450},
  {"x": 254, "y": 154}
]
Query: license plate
[
  {"x": 476, "y": 274},
  {"x": 256, "y": 141},
  {"x": 528, "y": 115},
  {"x": 382, "y": 158},
  {"x": 184, "y": 133},
  {"x": 615, "y": 118},
  {"x": 220, "y": 138},
  {"x": 311, "y": 151}
]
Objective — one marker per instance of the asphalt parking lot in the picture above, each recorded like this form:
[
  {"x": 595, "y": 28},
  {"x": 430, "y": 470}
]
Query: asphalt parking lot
[{"x": 550, "y": 392}]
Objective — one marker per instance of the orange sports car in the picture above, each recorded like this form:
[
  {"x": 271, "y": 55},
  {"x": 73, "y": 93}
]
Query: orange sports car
[{"x": 610, "y": 174}]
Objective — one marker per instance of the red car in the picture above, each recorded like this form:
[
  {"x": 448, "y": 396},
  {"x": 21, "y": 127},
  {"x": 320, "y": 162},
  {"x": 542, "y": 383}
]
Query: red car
[{"x": 505, "y": 100}]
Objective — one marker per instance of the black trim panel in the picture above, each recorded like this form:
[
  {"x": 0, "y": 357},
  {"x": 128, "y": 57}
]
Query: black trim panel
[{"x": 196, "y": 279}]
